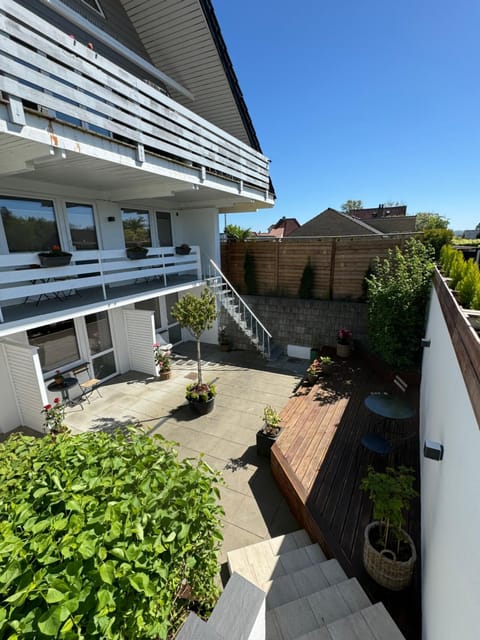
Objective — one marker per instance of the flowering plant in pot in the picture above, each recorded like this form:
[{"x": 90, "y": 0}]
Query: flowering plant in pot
[
  {"x": 54, "y": 257},
  {"x": 136, "y": 252},
  {"x": 183, "y": 249},
  {"x": 344, "y": 343},
  {"x": 196, "y": 314},
  {"x": 269, "y": 432},
  {"x": 389, "y": 553},
  {"x": 161, "y": 354},
  {"x": 312, "y": 372},
  {"x": 54, "y": 417}
]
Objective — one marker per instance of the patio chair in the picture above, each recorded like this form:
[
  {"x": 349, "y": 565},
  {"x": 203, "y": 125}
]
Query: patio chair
[{"x": 85, "y": 381}]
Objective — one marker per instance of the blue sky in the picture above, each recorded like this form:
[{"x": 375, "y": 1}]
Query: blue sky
[{"x": 361, "y": 99}]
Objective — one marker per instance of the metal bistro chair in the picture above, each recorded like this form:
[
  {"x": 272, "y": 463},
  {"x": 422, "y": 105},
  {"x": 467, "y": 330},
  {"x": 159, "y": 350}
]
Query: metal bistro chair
[{"x": 85, "y": 381}]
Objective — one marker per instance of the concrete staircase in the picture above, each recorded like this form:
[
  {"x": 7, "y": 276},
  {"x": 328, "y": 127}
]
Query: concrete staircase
[{"x": 308, "y": 596}]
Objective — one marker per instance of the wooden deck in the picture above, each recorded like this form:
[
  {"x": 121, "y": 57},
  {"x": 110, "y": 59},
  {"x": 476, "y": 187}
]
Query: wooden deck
[{"x": 318, "y": 463}]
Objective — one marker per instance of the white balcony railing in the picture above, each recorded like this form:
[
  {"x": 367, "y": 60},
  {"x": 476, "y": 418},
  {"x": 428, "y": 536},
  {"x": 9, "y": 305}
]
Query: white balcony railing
[
  {"x": 45, "y": 69},
  {"x": 23, "y": 279}
]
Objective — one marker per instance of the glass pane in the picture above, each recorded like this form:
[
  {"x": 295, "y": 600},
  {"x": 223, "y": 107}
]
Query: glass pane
[
  {"x": 82, "y": 226},
  {"x": 172, "y": 298},
  {"x": 164, "y": 228},
  {"x": 57, "y": 344},
  {"x": 151, "y": 305},
  {"x": 29, "y": 224},
  {"x": 174, "y": 334},
  {"x": 98, "y": 331},
  {"x": 136, "y": 227},
  {"x": 104, "y": 366}
]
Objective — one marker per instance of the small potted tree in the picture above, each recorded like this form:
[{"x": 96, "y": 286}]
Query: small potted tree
[
  {"x": 389, "y": 553},
  {"x": 270, "y": 431},
  {"x": 196, "y": 315},
  {"x": 344, "y": 343}
]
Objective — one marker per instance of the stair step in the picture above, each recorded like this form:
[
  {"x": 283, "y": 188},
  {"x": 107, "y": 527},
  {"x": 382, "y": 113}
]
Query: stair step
[
  {"x": 259, "y": 566},
  {"x": 304, "y": 615},
  {"x": 371, "y": 623},
  {"x": 303, "y": 583}
]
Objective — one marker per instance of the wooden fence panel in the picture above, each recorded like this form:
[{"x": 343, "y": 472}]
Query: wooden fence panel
[{"x": 339, "y": 264}]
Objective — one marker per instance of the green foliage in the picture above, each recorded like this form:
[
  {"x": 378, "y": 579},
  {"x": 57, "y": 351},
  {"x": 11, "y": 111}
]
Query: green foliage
[
  {"x": 271, "y": 421},
  {"x": 236, "y": 233},
  {"x": 398, "y": 291},
  {"x": 250, "y": 274},
  {"x": 426, "y": 220},
  {"x": 99, "y": 533},
  {"x": 306, "y": 283},
  {"x": 457, "y": 269},
  {"x": 201, "y": 392},
  {"x": 469, "y": 286},
  {"x": 437, "y": 238},
  {"x": 390, "y": 493},
  {"x": 447, "y": 254},
  {"x": 196, "y": 315},
  {"x": 351, "y": 204}
]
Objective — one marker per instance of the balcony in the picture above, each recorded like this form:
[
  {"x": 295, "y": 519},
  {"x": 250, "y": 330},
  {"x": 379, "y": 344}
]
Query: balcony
[
  {"x": 60, "y": 100},
  {"x": 95, "y": 280}
]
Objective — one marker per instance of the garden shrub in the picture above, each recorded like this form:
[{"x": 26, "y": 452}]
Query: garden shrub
[
  {"x": 306, "y": 283},
  {"x": 398, "y": 290},
  {"x": 437, "y": 238},
  {"x": 469, "y": 286},
  {"x": 102, "y": 536},
  {"x": 457, "y": 268}
]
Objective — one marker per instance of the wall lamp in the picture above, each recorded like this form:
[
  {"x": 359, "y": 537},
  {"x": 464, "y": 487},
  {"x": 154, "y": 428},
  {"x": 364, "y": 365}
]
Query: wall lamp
[
  {"x": 432, "y": 450},
  {"x": 425, "y": 342}
]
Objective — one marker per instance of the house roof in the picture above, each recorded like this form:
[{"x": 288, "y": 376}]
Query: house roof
[
  {"x": 381, "y": 211},
  {"x": 184, "y": 41},
  {"x": 283, "y": 227},
  {"x": 333, "y": 223}
]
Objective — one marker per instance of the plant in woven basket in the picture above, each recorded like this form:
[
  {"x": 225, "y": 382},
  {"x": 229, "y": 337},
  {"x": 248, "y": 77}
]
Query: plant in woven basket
[{"x": 391, "y": 493}]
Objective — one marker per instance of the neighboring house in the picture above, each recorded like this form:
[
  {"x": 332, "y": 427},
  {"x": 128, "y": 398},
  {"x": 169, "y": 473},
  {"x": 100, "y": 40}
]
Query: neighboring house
[
  {"x": 283, "y": 228},
  {"x": 121, "y": 124},
  {"x": 381, "y": 211},
  {"x": 334, "y": 223}
]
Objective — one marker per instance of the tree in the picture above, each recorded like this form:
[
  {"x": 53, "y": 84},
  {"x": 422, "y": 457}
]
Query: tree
[
  {"x": 236, "y": 233},
  {"x": 196, "y": 315},
  {"x": 306, "y": 283},
  {"x": 427, "y": 220},
  {"x": 398, "y": 290},
  {"x": 352, "y": 204}
]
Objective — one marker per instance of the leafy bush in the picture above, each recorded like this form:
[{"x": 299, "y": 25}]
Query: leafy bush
[
  {"x": 398, "y": 291},
  {"x": 437, "y": 238},
  {"x": 469, "y": 286},
  {"x": 101, "y": 535},
  {"x": 306, "y": 283}
]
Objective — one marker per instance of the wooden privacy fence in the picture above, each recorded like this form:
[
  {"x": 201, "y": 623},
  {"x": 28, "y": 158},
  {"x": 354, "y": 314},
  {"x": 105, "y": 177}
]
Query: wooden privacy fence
[{"x": 339, "y": 264}]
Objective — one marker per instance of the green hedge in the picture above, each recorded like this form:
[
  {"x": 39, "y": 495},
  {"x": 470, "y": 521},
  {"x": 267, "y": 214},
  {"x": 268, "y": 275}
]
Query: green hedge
[
  {"x": 102, "y": 536},
  {"x": 464, "y": 276}
]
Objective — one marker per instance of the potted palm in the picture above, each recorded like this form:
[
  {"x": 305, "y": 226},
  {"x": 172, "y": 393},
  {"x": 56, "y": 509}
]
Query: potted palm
[
  {"x": 196, "y": 315},
  {"x": 389, "y": 553},
  {"x": 270, "y": 431}
]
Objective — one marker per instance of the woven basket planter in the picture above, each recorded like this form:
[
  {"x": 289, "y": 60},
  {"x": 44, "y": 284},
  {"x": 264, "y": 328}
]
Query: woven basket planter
[{"x": 382, "y": 566}]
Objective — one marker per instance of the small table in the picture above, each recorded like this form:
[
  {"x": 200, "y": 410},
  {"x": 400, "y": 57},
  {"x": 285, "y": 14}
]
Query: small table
[
  {"x": 63, "y": 388},
  {"x": 391, "y": 407}
]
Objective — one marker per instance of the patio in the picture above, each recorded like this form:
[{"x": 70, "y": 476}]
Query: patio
[{"x": 254, "y": 507}]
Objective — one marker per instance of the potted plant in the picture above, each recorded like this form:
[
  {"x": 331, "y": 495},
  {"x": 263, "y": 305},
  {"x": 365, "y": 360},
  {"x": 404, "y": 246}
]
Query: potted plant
[
  {"x": 54, "y": 416},
  {"x": 161, "y": 354},
  {"x": 136, "y": 252},
  {"x": 389, "y": 553},
  {"x": 183, "y": 250},
  {"x": 270, "y": 431},
  {"x": 312, "y": 372},
  {"x": 344, "y": 343},
  {"x": 55, "y": 257},
  {"x": 325, "y": 364},
  {"x": 196, "y": 314},
  {"x": 59, "y": 378}
]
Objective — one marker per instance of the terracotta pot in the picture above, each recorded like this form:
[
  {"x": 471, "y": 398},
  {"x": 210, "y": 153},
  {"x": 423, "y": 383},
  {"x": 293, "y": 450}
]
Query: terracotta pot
[{"x": 165, "y": 375}]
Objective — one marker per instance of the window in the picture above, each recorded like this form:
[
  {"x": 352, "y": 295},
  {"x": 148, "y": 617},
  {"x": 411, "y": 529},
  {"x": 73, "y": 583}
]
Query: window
[
  {"x": 136, "y": 227},
  {"x": 57, "y": 344},
  {"x": 29, "y": 225},
  {"x": 82, "y": 226},
  {"x": 95, "y": 5},
  {"x": 100, "y": 345},
  {"x": 152, "y": 304}
]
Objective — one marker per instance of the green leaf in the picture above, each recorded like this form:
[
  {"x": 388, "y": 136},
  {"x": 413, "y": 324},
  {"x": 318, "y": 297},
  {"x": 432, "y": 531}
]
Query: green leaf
[
  {"x": 107, "y": 572},
  {"x": 53, "y": 595},
  {"x": 87, "y": 548},
  {"x": 50, "y": 622},
  {"x": 139, "y": 581}
]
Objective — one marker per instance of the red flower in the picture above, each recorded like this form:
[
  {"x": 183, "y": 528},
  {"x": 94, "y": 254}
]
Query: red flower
[
  {"x": 56, "y": 400},
  {"x": 47, "y": 407}
]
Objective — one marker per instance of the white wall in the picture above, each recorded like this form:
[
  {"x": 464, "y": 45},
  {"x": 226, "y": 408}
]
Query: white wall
[
  {"x": 198, "y": 227},
  {"x": 450, "y": 493}
]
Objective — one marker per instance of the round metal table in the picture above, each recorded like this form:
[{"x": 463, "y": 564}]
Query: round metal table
[
  {"x": 63, "y": 387},
  {"x": 391, "y": 407}
]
